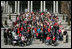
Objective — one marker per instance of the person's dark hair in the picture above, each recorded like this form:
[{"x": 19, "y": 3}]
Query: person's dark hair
[{"x": 65, "y": 32}]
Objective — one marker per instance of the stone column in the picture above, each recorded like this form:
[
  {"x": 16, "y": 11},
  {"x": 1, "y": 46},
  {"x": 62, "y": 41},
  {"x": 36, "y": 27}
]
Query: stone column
[
  {"x": 10, "y": 9},
  {"x": 18, "y": 6},
  {"x": 21, "y": 8},
  {"x": 41, "y": 7},
  {"x": 56, "y": 6},
  {"x": 6, "y": 6},
  {"x": 28, "y": 6},
  {"x": 44, "y": 6},
  {"x": 15, "y": 6},
  {"x": 53, "y": 6},
  {"x": 31, "y": 5}
]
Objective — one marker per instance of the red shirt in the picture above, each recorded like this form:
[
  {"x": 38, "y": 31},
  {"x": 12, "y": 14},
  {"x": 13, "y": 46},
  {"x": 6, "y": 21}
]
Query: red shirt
[
  {"x": 20, "y": 35},
  {"x": 54, "y": 38},
  {"x": 48, "y": 38},
  {"x": 56, "y": 24},
  {"x": 29, "y": 27},
  {"x": 35, "y": 29},
  {"x": 18, "y": 31},
  {"x": 44, "y": 26},
  {"x": 21, "y": 28},
  {"x": 25, "y": 21},
  {"x": 17, "y": 18},
  {"x": 36, "y": 34},
  {"x": 28, "y": 30},
  {"x": 59, "y": 30},
  {"x": 42, "y": 13},
  {"x": 48, "y": 23},
  {"x": 48, "y": 29}
]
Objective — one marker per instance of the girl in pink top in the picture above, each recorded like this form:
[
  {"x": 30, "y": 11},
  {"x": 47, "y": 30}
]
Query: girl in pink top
[{"x": 59, "y": 31}]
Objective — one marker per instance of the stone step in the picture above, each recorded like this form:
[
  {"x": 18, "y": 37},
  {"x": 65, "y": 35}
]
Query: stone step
[
  {"x": 37, "y": 41},
  {"x": 13, "y": 18}
]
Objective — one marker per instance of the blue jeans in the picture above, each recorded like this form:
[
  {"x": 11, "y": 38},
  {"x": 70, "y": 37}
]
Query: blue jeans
[
  {"x": 57, "y": 37},
  {"x": 47, "y": 41}
]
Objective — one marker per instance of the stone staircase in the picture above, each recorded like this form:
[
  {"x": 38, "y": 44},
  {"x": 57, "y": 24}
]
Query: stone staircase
[{"x": 36, "y": 41}]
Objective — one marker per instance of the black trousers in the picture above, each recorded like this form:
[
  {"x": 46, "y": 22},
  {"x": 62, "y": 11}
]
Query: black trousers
[
  {"x": 53, "y": 41},
  {"x": 6, "y": 40},
  {"x": 43, "y": 38}
]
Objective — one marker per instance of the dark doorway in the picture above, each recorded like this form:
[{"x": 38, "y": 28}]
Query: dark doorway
[
  {"x": 36, "y": 5},
  {"x": 23, "y": 6},
  {"x": 49, "y": 6}
]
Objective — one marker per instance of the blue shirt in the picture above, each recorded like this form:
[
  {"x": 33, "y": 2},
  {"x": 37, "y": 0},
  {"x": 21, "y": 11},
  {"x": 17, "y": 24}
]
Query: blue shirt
[{"x": 38, "y": 30}]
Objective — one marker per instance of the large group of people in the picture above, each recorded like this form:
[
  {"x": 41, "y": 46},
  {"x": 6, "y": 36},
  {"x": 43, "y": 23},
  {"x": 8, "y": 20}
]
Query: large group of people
[{"x": 34, "y": 25}]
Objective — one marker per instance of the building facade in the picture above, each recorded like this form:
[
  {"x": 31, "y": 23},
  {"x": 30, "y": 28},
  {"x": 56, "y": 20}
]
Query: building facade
[
  {"x": 20, "y": 6},
  {"x": 14, "y": 8}
]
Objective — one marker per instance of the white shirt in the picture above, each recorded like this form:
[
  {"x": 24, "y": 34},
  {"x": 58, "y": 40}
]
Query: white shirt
[{"x": 23, "y": 38}]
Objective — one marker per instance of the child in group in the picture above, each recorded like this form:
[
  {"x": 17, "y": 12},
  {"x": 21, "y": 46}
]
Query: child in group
[
  {"x": 48, "y": 39},
  {"x": 54, "y": 40}
]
